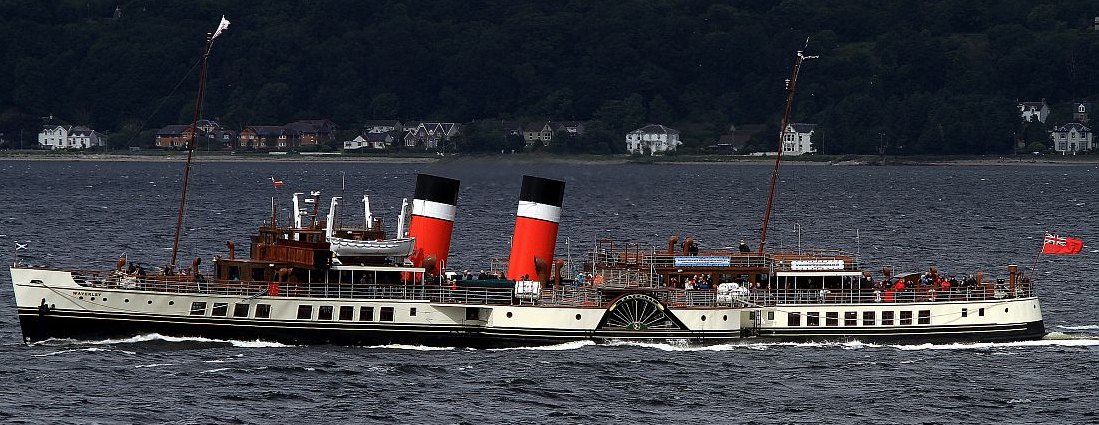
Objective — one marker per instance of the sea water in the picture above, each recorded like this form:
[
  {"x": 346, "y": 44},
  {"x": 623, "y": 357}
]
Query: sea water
[{"x": 960, "y": 219}]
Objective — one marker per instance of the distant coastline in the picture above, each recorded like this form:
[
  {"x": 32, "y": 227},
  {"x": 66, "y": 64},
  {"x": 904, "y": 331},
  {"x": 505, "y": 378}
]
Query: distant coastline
[{"x": 846, "y": 160}]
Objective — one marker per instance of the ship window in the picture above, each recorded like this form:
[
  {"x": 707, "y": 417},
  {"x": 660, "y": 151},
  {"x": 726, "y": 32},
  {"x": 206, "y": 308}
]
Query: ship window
[
  {"x": 474, "y": 313},
  {"x": 305, "y": 312},
  {"x": 981, "y": 312},
  {"x": 832, "y": 318},
  {"x": 198, "y": 308},
  {"x": 263, "y": 311},
  {"x": 924, "y": 317},
  {"x": 234, "y": 272},
  {"x": 325, "y": 313},
  {"x": 771, "y": 315},
  {"x": 965, "y": 312},
  {"x": 347, "y": 312},
  {"x": 887, "y": 318},
  {"x": 868, "y": 318},
  {"x": 366, "y": 314},
  {"x": 850, "y": 318},
  {"x": 793, "y": 319},
  {"x": 257, "y": 274},
  {"x": 220, "y": 309},
  {"x": 812, "y": 318},
  {"x": 906, "y": 318},
  {"x": 240, "y": 310},
  {"x": 412, "y": 312},
  {"x": 386, "y": 315}
]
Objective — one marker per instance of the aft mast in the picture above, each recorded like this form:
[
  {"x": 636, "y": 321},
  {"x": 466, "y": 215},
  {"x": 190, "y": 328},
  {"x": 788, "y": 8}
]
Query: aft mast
[
  {"x": 194, "y": 133},
  {"x": 791, "y": 86}
]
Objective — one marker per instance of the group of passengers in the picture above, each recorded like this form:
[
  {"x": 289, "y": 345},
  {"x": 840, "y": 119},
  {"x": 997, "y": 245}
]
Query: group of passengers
[
  {"x": 492, "y": 275},
  {"x": 930, "y": 286}
]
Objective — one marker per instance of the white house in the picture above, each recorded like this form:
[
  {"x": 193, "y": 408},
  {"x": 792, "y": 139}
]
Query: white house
[
  {"x": 68, "y": 137},
  {"x": 354, "y": 144},
  {"x": 1031, "y": 111},
  {"x": 1071, "y": 138},
  {"x": 796, "y": 139},
  {"x": 652, "y": 138}
]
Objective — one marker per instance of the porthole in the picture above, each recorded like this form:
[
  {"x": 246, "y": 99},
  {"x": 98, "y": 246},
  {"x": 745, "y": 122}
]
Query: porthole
[
  {"x": 1005, "y": 310},
  {"x": 104, "y": 300},
  {"x": 81, "y": 297},
  {"x": 171, "y": 303},
  {"x": 91, "y": 299},
  {"x": 126, "y": 300},
  {"x": 725, "y": 318},
  {"x": 577, "y": 317},
  {"x": 509, "y": 315},
  {"x": 150, "y": 301},
  {"x": 703, "y": 317}
]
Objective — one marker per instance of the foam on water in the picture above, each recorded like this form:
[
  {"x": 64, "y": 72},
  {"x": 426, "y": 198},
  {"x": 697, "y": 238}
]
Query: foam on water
[
  {"x": 79, "y": 350},
  {"x": 571, "y": 345},
  {"x": 1079, "y": 327},
  {"x": 141, "y": 366},
  {"x": 158, "y": 337},
  {"x": 411, "y": 347},
  {"x": 1062, "y": 342}
]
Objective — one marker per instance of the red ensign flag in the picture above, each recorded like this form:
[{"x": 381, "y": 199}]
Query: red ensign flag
[
  {"x": 277, "y": 183},
  {"x": 1057, "y": 245}
]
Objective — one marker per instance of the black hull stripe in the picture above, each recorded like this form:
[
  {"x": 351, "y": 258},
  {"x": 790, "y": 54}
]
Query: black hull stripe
[{"x": 87, "y": 324}]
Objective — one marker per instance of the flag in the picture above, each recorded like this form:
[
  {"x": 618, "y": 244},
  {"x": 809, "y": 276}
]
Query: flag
[
  {"x": 221, "y": 27},
  {"x": 20, "y": 246},
  {"x": 1055, "y": 245},
  {"x": 277, "y": 183}
]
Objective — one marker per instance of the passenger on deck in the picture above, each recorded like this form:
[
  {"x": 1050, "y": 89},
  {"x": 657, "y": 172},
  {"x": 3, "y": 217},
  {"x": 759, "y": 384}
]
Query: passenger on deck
[
  {"x": 744, "y": 246},
  {"x": 889, "y": 296},
  {"x": 598, "y": 280},
  {"x": 482, "y": 275}
]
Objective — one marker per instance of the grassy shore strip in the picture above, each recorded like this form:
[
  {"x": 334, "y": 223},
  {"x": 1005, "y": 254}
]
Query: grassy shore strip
[{"x": 541, "y": 157}]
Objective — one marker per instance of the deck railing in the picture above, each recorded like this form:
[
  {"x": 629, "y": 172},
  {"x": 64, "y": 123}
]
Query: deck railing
[{"x": 587, "y": 296}]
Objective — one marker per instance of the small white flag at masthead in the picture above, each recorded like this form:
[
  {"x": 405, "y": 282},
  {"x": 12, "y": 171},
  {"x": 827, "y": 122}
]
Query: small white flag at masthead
[{"x": 221, "y": 27}]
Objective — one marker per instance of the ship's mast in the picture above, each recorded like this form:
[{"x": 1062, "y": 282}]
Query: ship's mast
[
  {"x": 791, "y": 87},
  {"x": 194, "y": 133}
]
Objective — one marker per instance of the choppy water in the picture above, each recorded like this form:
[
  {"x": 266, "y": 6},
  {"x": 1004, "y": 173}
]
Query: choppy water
[{"x": 960, "y": 219}]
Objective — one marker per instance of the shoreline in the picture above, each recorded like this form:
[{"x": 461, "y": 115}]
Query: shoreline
[{"x": 1049, "y": 160}]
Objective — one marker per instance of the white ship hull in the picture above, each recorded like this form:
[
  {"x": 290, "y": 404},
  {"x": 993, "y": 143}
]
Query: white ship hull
[
  {"x": 922, "y": 322},
  {"x": 52, "y": 305}
]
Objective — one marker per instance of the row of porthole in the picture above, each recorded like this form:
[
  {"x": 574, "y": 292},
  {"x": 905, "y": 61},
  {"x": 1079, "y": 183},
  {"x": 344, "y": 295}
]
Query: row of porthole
[
  {"x": 104, "y": 299},
  {"x": 509, "y": 315}
]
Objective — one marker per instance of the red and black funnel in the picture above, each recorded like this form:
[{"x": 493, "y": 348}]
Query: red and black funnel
[
  {"x": 536, "y": 223},
  {"x": 434, "y": 206}
]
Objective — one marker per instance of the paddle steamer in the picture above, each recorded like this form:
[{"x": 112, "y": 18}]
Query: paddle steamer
[{"x": 313, "y": 281}]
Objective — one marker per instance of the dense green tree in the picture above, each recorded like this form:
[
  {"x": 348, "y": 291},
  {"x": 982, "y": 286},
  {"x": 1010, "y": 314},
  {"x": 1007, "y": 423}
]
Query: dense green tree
[{"x": 933, "y": 77}]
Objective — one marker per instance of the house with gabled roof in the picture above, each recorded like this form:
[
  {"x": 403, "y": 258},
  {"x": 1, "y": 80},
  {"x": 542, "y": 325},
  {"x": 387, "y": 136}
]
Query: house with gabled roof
[
  {"x": 69, "y": 137},
  {"x": 1034, "y": 111},
  {"x": 797, "y": 139},
  {"x": 309, "y": 132},
  {"x": 430, "y": 135},
  {"x": 537, "y": 132},
  {"x": 1072, "y": 138},
  {"x": 652, "y": 139},
  {"x": 260, "y": 137},
  {"x": 570, "y": 127},
  {"x": 173, "y": 136}
]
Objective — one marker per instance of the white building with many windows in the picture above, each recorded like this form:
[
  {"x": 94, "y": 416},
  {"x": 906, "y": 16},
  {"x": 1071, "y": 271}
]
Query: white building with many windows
[
  {"x": 69, "y": 137},
  {"x": 1071, "y": 138},
  {"x": 797, "y": 139},
  {"x": 652, "y": 139}
]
